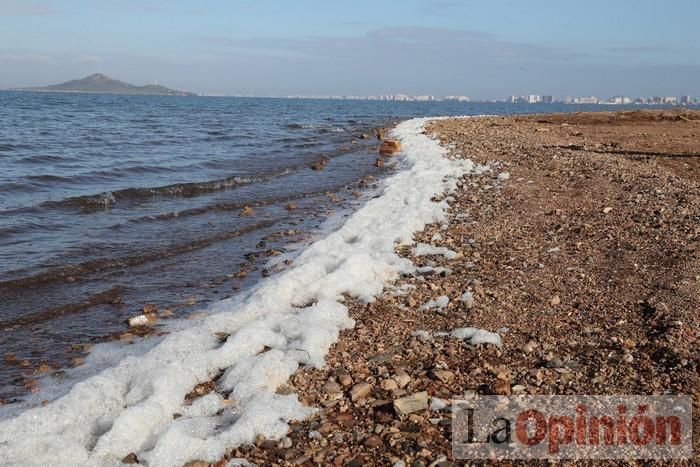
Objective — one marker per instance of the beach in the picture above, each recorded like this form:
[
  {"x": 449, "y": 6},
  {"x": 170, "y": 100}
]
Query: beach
[
  {"x": 540, "y": 254},
  {"x": 578, "y": 246}
]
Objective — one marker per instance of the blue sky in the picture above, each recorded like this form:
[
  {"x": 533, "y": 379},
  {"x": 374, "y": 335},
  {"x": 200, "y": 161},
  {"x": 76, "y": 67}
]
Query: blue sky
[{"x": 483, "y": 49}]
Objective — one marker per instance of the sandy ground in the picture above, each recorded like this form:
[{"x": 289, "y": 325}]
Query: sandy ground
[{"x": 585, "y": 258}]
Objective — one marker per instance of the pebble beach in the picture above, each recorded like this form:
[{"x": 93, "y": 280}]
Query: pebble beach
[{"x": 577, "y": 246}]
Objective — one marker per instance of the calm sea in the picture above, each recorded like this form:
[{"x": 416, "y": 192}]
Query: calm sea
[{"x": 108, "y": 203}]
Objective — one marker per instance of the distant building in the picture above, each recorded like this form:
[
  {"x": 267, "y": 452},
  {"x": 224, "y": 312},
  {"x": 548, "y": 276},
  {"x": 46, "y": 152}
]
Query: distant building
[
  {"x": 534, "y": 99},
  {"x": 586, "y": 100},
  {"x": 686, "y": 100},
  {"x": 547, "y": 99},
  {"x": 457, "y": 98},
  {"x": 619, "y": 100},
  {"x": 670, "y": 100}
]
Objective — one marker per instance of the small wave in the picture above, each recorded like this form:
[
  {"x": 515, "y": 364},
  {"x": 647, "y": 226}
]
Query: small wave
[
  {"x": 106, "y": 199},
  {"x": 42, "y": 158},
  {"x": 103, "y": 264},
  {"x": 100, "y": 298},
  {"x": 7, "y": 147},
  {"x": 304, "y": 126}
]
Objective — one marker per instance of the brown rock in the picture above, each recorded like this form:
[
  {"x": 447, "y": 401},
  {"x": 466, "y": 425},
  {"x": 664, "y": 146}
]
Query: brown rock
[
  {"x": 389, "y": 147},
  {"x": 389, "y": 384},
  {"x": 402, "y": 380},
  {"x": 529, "y": 347},
  {"x": 442, "y": 375},
  {"x": 331, "y": 387},
  {"x": 360, "y": 391},
  {"x": 292, "y": 206},
  {"x": 345, "y": 379},
  {"x": 501, "y": 387},
  {"x": 379, "y": 163},
  {"x": 247, "y": 211},
  {"x": 373, "y": 442},
  {"x": 320, "y": 165},
  {"x": 130, "y": 459}
]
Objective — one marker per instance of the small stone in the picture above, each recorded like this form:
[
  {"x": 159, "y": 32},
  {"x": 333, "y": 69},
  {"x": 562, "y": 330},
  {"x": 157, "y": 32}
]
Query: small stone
[
  {"x": 130, "y": 459},
  {"x": 518, "y": 389},
  {"x": 43, "y": 368},
  {"x": 166, "y": 313},
  {"x": 141, "y": 320},
  {"x": 389, "y": 147},
  {"x": 285, "y": 443},
  {"x": 77, "y": 361},
  {"x": 501, "y": 387},
  {"x": 442, "y": 375},
  {"x": 10, "y": 358},
  {"x": 150, "y": 308},
  {"x": 607, "y": 210},
  {"x": 410, "y": 404},
  {"x": 402, "y": 380},
  {"x": 373, "y": 442},
  {"x": 555, "y": 300},
  {"x": 389, "y": 384},
  {"x": 292, "y": 206},
  {"x": 360, "y": 391},
  {"x": 331, "y": 388},
  {"x": 554, "y": 363},
  {"x": 627, "y": 358},
  {"x": 529, "y": 347},
  {"x": 247, "y": 211},
  {"x": 320, "y": 165},
  {"x": 345, "y": 379}
]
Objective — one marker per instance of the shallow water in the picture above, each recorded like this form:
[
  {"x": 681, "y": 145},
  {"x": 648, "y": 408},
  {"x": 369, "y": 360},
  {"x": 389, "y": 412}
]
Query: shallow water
[{"x": 108, "y": 203}]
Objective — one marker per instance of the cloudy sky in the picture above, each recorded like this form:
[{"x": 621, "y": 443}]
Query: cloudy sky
[{"x": 484, "y": 49}]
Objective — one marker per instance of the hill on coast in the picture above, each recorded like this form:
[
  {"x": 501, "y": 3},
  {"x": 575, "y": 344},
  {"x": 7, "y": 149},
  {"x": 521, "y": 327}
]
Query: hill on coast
[{"x": 99, "y": 83}]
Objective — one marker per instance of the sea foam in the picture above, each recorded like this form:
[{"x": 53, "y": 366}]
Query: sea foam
[{"x": 289, "y": 320}]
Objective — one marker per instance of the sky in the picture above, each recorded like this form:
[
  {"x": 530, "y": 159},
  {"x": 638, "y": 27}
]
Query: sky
[{"x": 478, "y": 48}]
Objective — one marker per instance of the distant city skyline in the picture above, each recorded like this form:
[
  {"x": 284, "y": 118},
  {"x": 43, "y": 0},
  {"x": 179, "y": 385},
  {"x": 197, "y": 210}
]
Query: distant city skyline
[{"x": 308, "y": 47}]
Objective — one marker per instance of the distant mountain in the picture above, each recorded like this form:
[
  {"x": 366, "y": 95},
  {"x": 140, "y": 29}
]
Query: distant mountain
[{"x": 99, "y": 83}]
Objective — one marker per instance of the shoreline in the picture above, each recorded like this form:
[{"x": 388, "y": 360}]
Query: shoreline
[
  {"x": 483, "y": 265},
  {"x": 152, "y": 403}
]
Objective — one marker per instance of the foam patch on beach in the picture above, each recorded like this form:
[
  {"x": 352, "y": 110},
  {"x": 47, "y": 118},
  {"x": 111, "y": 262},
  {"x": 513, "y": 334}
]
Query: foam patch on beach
[{"x": 139, "y": 406}]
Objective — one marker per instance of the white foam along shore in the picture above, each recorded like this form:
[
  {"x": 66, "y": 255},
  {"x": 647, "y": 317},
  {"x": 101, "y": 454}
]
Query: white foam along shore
[{"x": 130, "y": 407}]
